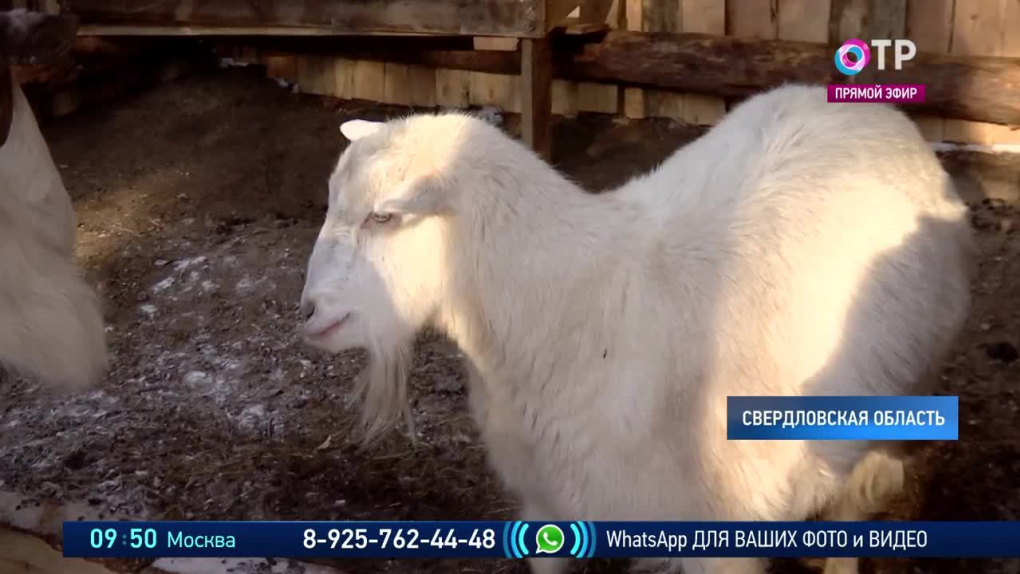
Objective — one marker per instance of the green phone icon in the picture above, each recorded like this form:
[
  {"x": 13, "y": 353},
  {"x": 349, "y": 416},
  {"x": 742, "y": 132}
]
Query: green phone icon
[{"x": 548, "y": 539}]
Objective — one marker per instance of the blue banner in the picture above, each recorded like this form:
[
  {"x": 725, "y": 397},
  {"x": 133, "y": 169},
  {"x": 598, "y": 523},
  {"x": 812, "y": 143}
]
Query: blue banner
[
  {"x": 842, "y": 418},
  {"x": 528, "y": 539}
]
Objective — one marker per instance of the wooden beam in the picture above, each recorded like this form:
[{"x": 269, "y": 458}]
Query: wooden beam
[
  {"x": 496, "y": 43},
  {"x": 975, "y": 88},
  {"x": 475, "y": 18},
  {"x": 536, "y": 96},
  {"x": 195, "y": 30}
]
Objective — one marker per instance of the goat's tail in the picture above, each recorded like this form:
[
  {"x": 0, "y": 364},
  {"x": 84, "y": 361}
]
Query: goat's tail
[{"x": 51, "y": 321}]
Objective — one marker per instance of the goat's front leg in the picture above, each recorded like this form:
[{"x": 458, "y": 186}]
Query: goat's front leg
[{"x": 534, "y": 512}]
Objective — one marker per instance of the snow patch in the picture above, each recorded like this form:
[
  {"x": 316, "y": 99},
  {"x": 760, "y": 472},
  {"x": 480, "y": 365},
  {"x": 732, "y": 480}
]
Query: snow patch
[
  {"x": 189, "y": 262},
  {"x": 252, "y": 417},
  {"x": 164, "y": 284},
  {"x": 196, "y": 377},
  {"x": 232, "y": 63}
]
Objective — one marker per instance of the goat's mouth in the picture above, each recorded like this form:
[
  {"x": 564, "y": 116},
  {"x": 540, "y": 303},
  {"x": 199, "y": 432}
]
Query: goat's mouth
[{"x": 329, "y": 329}]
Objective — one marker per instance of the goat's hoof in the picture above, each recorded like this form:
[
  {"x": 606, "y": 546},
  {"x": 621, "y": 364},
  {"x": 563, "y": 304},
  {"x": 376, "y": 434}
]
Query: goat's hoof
[{"x": 841, "y": 566}]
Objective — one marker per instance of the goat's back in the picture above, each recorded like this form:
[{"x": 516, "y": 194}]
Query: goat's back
[{"x": 830, "y": 247}]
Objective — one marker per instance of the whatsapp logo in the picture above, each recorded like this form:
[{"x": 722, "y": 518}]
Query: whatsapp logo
[{"x": 548, "y": 539}]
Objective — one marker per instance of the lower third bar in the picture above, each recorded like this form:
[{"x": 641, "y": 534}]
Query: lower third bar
[{"x": 886, "y": 93}]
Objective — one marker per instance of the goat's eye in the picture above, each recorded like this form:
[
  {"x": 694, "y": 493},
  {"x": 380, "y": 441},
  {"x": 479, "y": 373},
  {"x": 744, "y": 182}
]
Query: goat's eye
[{"x": 381, "y": 217}]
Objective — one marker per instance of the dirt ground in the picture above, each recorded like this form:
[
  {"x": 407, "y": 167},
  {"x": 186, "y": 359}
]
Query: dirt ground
[{"x": 198, "y": 203}]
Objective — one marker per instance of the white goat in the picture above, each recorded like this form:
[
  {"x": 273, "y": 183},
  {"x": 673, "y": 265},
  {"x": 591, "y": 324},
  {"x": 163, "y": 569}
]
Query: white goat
[
  {"x": 51, "y": 325},
  {"x": 798, "y": 248}
]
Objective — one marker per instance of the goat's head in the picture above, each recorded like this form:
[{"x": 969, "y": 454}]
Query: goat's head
[
  {"x": 29, "y": 38},
  {"x": 377, "y": 272}
]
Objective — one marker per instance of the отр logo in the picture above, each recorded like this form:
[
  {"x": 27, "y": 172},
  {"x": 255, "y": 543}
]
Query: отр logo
[{"x": 861, "y": 56}]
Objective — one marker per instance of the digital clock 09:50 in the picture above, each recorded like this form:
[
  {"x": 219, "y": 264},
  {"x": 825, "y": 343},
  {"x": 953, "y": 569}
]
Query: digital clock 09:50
[{"x": 135, "y": 538}]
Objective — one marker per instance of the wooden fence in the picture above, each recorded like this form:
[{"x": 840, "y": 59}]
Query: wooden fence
[
  {"x": 967, "y": 28},
  {"x": 958, "y": 27}
]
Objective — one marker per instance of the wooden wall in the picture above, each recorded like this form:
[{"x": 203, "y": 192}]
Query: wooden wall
[
  {"x": 964, "y": 27},
  {"x": 960, "y": 27}
]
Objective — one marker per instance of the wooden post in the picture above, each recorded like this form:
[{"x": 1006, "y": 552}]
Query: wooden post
[
  {"x": 536, "y": 96},
  {"x": 634, "y": 98},
  {"x": 929, "y": 23}
]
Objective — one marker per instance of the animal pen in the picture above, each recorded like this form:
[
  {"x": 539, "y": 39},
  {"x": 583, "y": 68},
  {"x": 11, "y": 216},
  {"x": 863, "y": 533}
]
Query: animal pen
[{"x": 199, "y": 192}]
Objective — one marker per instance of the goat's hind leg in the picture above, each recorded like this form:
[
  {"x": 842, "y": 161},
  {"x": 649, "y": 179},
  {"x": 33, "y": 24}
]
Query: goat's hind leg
[{"x": 874, "y": 483}]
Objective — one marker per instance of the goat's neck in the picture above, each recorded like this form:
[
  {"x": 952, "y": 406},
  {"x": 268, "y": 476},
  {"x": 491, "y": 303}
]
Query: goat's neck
[{"x": 535, "y": 246}]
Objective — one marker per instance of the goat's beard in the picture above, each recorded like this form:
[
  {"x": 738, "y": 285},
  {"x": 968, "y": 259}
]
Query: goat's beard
[{"x": 382, "y": 387}]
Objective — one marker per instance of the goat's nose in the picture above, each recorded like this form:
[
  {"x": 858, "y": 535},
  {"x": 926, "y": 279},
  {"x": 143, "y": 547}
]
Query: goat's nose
[{"x": 307, "y": 309}]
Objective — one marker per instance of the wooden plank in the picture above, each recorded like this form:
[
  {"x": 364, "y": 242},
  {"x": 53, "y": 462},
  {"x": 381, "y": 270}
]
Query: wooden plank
[
  {"x": 634, "y": 98},
  {"x": 281, "y": 66},
  {"x": 369, "y": 80},
  {"x": 316, "y": 75},
  {"x": 752, "y": 19},
  {"x": 599, "y": 98},
  {"x": 981, "y": 28},
  {"x": 395, "y": 84},
  {"x": 496, "y": 43},
  {"x": 847, "y": 19},
  {"x": 453, "y": 88},
  {"x": 803, "y": 20},
  {"x": 422, "y": 86},
  {"x": 594, "y": 97},
  {"x": 498, "y": 90},
  {"x": 343, "y": 77},
  {"x": 929, "y": 24},
  {"x": 703, "y": 17},
  {"x": 1011, "y": 31},
  {"x": 886, "y": 19},
  {"x": 536, "y": 96},
  {"x": 662, "y": 16},
  {"x": 475, "y": 18},
  {"x": 564, "y": 98}
]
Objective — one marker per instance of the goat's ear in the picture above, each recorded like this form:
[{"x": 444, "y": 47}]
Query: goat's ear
[
  {"x": 35, "y": 37},
  {"x": 357, "y": 129},
  {"x": 425, "y": 196}
]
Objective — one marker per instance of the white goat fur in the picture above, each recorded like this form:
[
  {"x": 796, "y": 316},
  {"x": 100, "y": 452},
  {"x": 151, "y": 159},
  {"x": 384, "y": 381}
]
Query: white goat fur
[
  {"x": 51, "y": 324},
  {"x": 798, "y": 248}
]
